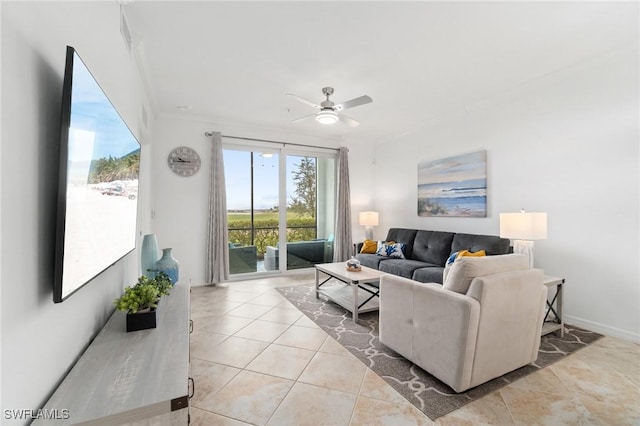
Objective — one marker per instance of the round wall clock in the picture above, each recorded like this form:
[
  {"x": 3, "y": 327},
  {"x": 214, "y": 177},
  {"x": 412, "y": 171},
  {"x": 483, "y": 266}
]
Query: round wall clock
[{"x": 184, "y": 161}]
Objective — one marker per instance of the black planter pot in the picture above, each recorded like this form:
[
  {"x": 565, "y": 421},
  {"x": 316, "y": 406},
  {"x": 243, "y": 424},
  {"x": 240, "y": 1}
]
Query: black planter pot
[{"x": 141, "y": 320}]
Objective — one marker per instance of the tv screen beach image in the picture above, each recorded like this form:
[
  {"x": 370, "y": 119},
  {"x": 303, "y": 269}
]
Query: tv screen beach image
[{"x": 103, "y": 162}]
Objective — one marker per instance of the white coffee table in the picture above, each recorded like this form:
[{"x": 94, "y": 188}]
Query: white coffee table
[{"x": 359, "y": 295}]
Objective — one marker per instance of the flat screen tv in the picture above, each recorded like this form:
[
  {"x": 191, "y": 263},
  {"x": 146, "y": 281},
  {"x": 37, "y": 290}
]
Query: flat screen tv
[{"x": 98, "y": 183}]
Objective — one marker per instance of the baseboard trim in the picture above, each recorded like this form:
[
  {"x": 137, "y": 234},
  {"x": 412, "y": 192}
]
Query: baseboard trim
[{"x": 603, "y": 329}]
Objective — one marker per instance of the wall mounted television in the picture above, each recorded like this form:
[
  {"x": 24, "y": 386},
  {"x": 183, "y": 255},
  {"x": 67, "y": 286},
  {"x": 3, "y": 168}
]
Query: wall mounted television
[{"x": 97, "y": 185}]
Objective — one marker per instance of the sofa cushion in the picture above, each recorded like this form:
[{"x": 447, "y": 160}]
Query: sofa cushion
[
  {"x": 461, "y": 272},
  {"x": 402, "y": 267},
  {"x": 371, "y": 260},
  {"x": 490, "y": 243},
  {"x": 432, "y": 274},
  {"x": 402, "y": 235},
  {"x": 432, "y": 247}
]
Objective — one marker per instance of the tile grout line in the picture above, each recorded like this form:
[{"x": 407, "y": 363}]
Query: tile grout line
[
  {"x": 355, "y": 405},
  {"x": 289, "y": 326},
  {"x": 243, "y": 368},
  {"x": 222, "y": 415},
  {"x": 294, "y": 383},
  {"x": 221, "y": 388},
  {"x": 504, "y": 401}
]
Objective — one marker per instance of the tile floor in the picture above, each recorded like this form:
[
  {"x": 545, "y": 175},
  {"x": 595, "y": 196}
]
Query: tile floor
[{"x": 257, "y": 360}]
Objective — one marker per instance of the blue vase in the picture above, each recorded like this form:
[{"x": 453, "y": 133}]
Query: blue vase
[
  {"x": 168, "y": 265},
  {"x": 149, "y": 255}
]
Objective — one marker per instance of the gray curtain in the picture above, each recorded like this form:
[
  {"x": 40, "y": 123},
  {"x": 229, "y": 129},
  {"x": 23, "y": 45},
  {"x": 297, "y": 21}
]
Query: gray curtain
[
  {"x": 217, "y": 261},
  {"x": 343, "y": 244}
]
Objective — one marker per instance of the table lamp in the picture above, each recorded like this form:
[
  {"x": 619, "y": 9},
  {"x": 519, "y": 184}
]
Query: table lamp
[
  {"x": 523, "y": 228},
  {"x": 368, "y": 220}
]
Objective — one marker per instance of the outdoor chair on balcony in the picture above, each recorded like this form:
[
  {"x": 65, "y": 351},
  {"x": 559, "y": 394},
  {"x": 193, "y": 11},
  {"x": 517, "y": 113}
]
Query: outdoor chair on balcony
[
  {"x": 300, "y": 254},
  {"x": 242, "y": 259}
]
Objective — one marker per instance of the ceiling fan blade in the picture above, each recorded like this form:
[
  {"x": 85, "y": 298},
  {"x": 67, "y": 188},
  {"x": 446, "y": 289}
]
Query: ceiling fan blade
[
  {"x": 302, "y": 118},
  {"x": 348, "y": 120},
  {"x": 353, "y": 103},
  {"x": 304, "y": 101}
]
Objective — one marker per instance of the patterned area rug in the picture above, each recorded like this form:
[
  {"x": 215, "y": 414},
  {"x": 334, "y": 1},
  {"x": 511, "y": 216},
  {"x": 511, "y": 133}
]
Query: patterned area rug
[{"x": 424, "y": 391}]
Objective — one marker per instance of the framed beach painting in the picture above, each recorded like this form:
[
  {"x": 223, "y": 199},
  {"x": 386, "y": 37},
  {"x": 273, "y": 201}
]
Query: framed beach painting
[{"x": 453, "y": 186}]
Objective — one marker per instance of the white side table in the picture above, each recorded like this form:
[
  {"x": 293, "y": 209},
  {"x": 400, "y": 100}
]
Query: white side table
[{"x": 554, "y": 322}]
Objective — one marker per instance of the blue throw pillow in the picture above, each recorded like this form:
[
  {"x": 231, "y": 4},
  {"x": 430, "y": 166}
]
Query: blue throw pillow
[{"x": 393, "y": 251}]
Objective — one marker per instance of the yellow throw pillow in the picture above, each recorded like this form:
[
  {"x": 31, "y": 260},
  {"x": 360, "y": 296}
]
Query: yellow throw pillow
[
  {"x": 369, "y": 246},
  {"x": 468, "y": 253}
]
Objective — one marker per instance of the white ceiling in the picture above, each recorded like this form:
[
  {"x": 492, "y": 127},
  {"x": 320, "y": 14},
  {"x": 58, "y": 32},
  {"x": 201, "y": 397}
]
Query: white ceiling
[{"x": 419, "y": 61}]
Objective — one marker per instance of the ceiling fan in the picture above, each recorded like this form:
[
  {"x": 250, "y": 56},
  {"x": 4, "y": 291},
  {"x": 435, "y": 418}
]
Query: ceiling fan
[{"x": 329, "y": 112}]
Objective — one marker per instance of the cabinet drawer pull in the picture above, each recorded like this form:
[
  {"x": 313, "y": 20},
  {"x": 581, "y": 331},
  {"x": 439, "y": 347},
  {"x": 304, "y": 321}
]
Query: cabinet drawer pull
[{"x": 192, "y": 387}]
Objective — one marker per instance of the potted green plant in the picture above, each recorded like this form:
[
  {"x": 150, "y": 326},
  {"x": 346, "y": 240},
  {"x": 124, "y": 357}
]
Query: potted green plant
[{"x": 139, "y": 302}]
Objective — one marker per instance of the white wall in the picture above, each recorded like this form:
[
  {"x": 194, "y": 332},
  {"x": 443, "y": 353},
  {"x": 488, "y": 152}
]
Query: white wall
[
  {"x": 179, "y": 204},
  {"x": 363, "y": 181},
  {"x": 40, "y": 339},
  {"x": 565, "y": 144}
]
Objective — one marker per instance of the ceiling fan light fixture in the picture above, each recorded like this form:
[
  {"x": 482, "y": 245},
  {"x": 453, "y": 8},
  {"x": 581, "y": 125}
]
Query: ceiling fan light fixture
[{"x": 326, "y": 117}]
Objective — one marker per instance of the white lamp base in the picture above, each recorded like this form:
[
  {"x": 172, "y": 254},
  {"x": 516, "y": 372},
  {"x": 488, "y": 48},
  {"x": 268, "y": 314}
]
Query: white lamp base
[
  {"x": 368, "y": 232},
  {"x": 524, "y": 247}
]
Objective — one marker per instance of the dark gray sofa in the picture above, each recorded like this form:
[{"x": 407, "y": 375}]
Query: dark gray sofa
[{"x": 426, "y": 252}]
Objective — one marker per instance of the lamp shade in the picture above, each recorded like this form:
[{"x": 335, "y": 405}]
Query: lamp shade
[
  {"x": 368, "y": 218},
  {"x": 523, "y": 226}
]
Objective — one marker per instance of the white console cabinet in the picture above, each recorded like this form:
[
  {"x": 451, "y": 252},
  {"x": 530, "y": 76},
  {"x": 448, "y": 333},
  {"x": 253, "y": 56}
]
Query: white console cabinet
[{"x": 135, "y": 378}]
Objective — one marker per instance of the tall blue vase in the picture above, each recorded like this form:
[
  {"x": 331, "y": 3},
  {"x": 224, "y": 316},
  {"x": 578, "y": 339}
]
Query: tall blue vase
[
  {"x": 149, "y": 255},
  {"x": 168, "y": 265}
]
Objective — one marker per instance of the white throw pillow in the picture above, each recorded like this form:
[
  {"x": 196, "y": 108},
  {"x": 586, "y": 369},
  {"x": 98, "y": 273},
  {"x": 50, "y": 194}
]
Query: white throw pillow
[{"x": 461, "y": 272}]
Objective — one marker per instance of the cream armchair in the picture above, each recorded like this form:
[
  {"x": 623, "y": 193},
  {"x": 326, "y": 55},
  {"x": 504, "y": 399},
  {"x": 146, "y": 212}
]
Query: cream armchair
[{"x": 466, "y": 339}]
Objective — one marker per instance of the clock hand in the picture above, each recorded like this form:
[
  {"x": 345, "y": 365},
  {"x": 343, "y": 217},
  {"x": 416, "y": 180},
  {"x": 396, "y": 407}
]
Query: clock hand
[{"x": 180, "y": 160}]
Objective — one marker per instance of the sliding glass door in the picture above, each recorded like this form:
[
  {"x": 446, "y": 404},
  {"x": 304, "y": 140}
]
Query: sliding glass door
[
  {"x": 252, "y": 179},
  {"x": 310, "y": 210},
  {"x": 280, "y": 208}
]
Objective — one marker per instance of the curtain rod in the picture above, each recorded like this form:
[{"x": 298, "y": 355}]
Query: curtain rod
[{"x": 270, "y": 141}]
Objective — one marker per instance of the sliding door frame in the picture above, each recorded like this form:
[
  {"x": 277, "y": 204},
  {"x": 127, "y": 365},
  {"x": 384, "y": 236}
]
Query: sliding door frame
[{"x": 283, "y": 150}]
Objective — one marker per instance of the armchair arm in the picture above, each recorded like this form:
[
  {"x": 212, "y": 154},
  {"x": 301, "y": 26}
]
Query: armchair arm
[{"x": 510, "y": 321}]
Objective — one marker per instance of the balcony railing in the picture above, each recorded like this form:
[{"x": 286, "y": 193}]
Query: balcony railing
[{"x": 263, "y": 236}]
